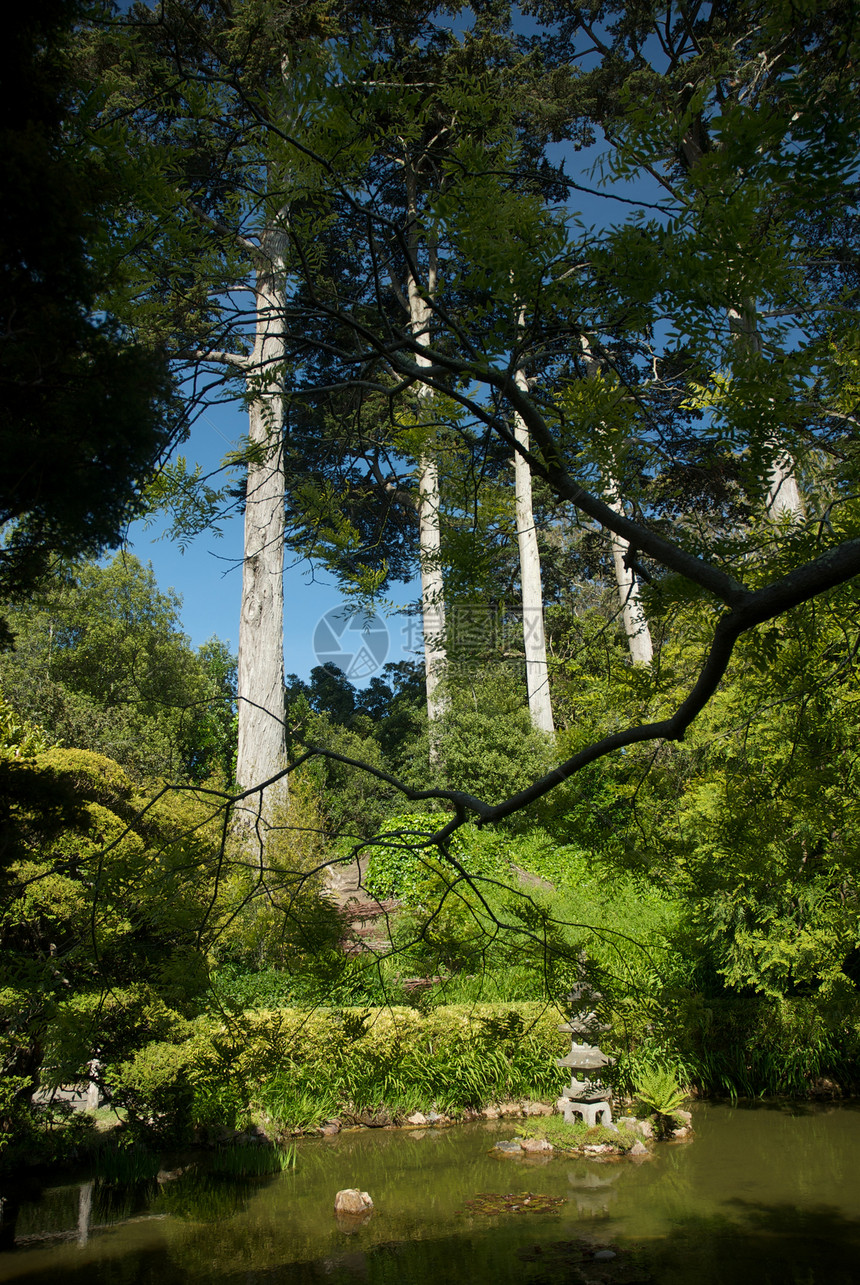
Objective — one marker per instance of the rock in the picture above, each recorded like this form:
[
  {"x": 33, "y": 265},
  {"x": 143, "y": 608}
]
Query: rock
[
  {"x": 508, "y": 1147},
  {"x": 329, "y": 1130},
  {"x": 416, "y": 1118},
  {"x": 598, "y": 1149},
  {"x": 537, "y": 1146},
  {"x": 537, "y": 1108},
  {"x": 645, "y": 1128},
  {"x": 684, "y": 1132},
  {"x": 638, "y": 1149},
  {"x": 352, "y": 1201},
  {"x": 510, "y": 1108},
  {"x": 560, "y": 1106},
  {"x": 435, "y": 1118},
  {"x": 374, "y": 1119},
  {"x": 604, "y": 1255},
  {"x": 684, "y": 1116},
  {"x": 490, "y": 1113}
]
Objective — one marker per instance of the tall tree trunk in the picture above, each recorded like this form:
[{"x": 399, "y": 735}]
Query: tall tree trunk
[
  {"x": 534, "y": 637},
  {"x": 783, "y": 492},
  {"x": 632, "y": 612},
  {"x": 429, "y": 531},
  {"x": 432, "y": 587},
  {"x": 262, "y": 743}
]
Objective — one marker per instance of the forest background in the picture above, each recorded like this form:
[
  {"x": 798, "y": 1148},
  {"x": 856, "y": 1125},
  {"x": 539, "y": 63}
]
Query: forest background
[{"x": 620, "y": 456}]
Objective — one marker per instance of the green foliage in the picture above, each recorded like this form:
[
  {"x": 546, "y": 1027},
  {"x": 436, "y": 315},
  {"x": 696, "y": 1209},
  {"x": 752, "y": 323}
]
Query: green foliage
[
  {"x": 126, "y": 1166},
  {"x": 488, "y": 746},
  {"x": 405, "y": 864},
  {"x": 102, "y": 901},
  {"x": 19, "y": 737},
  {"x": 154, "y": 1090},
  {"x": 383, "y": 726},
  {"x": 282, "y": 920},
  {"x": 100, "y": 661},
  {"x": 755, "y": 1046},
  {"x": 296, "y": 1067},
  {"x": 253, "y": 1161},
  {"x": 572, "y": 1136},
  {"x": 88, "y": 406},
  {"x": 658, "y": 1090}
]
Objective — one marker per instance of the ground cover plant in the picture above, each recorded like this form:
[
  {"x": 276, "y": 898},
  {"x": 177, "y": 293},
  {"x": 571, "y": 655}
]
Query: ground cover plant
[{"x": 576, "y": 1135}]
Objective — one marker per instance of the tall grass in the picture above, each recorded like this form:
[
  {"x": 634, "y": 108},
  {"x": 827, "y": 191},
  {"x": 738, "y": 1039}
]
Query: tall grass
[
  {"x": 253, "y": 1161},
  {"x": 126, "y": 1166}
]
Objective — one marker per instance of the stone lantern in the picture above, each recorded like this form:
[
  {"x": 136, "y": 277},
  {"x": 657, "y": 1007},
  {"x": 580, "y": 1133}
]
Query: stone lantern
[{"x": 586, "y": 1097}]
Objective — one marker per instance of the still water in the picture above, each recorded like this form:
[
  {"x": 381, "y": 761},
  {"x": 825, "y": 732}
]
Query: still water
[{"x": 768, "y": 1194}]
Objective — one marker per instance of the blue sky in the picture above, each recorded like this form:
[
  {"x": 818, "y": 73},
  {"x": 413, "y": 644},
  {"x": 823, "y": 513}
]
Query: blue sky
[{"x": 208, "y": 574}]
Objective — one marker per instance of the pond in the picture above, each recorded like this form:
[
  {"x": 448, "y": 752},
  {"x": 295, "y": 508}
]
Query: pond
[{"x": 766, "y": 1193}]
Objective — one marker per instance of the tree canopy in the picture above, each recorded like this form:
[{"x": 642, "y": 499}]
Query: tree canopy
[{"x": 88, "y": 404}]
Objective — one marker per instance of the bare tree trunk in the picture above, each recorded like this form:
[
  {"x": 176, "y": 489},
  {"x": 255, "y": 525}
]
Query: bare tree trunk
[
  {"x": 432, "y": 587},
  {"x": 262, "y": 744},
  {"x": 632, "y": 612},
  {"x": 429, "y": 531},
  {"x": 534, "y": 637},
  {"x": 783, "y": 493}
]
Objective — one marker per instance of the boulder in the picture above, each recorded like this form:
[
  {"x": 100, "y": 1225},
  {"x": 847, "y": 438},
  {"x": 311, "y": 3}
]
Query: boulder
[
  {"x": 508, "y": 1147},
  {"x": 490, "y": 1113},
  {"x": 638, "y": 1149},
  {"x": 352, "y": 1201},
  {"x": 537, "y": 1108},
  {"x": 510, "y": 1108},
  {"x": 417, "y": 1119},
  {"x": 537, "y": 1146}
]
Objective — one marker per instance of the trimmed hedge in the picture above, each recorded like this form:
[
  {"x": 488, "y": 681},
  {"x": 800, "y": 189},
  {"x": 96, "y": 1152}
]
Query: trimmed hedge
[{"x": 292, "y": 1068}]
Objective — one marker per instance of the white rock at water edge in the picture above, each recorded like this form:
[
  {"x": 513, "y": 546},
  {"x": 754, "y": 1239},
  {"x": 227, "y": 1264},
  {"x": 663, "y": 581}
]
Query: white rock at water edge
[{"x": 352, "y": 1201}]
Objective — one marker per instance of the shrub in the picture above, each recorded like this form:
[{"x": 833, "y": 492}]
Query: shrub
[
  {"x": 154, "y": 1089},
  {"x": 404, "y": 864}
]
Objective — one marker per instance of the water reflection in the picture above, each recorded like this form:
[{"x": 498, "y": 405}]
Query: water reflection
[
  {"x": 767, "y": 1193},
  {"x": 593, "y": 1188}
]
